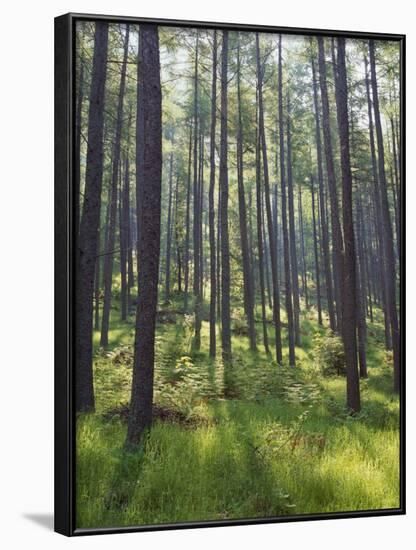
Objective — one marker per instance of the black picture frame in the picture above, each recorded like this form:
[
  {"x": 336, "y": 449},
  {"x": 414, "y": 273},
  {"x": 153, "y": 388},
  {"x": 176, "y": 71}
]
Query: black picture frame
[{"x": 65, "y": 493}]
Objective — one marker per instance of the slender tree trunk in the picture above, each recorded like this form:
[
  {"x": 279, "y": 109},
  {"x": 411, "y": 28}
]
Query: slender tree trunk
[
  {"x": 382, "y": 273},
  {"x": 315, "y": 249},
  {"x": 124, "y": 218},
  {"x": 97, "y": 285},
  {"x": 187, "y": 225},
  {"x": 149, "y": 170},
  {"x": 169, "y": 230},
  {"x": 211, "y": 198},
  {"x": 260, "y": 244},
  {"x": 332, "y": 186},
  {"x": 124, "y": 225},
  {"x": 272, "y": 242},
  {"x": 130, "y": 265},
  {"x": 90, "y": 221},
  {"x": 201, "y": 216},
  {"x": 223, "y": 182},
  {"x": 292, "y": 234},
  {"x": 219, "y": 254},
  {"x": 361, "y": 290},
  {"x": 349, "y": 293},
  {"x": 109, "y": 257},
  {"x": 323, "y": 219},
  {"x": 387, "y": 228},
  {"x": 196, "y": 209},
  {"x": 285, "y": 233},
  {"x": 302, "y": 249},
  {"x": 177, "y": 239},
  {"x": 247, "y": 273},
  {"x": 266, "y": 252},
  {"x": 396, "y": 186}
]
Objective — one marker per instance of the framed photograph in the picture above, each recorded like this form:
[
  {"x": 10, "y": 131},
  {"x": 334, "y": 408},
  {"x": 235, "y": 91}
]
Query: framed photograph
[{"x": 229, "y": 274}]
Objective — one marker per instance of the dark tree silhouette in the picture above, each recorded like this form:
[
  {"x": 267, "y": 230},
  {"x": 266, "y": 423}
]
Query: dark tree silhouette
[
  {"x": 109, "y": 255},
  {"x": 149, "y": 173},
  {"x": 348, "y": 287},
  {"x": 332, "y": 184},
  {"x": 288, "y": 290},
  {"x": 247, "y": 272},
  {"x": 90, "y": 220},
  {"x": 211, "y": 201},
  {"x": 388, "y": 250},
  {"x": 223, "y": 182}
]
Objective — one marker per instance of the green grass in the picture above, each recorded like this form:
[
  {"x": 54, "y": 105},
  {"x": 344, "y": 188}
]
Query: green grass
[{"x": 283, "y": 445}]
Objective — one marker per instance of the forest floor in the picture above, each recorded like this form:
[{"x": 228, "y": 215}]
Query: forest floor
[{"x": 282, "y": 442}]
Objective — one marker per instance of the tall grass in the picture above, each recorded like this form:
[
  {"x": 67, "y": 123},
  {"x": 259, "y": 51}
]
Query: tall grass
[{"x": 283, "y": 445}]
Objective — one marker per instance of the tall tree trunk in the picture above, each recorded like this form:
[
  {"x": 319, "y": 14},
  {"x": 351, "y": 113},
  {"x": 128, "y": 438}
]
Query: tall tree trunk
[
  {"x": 288, "y": 290},
  {"x": 332, "y": 186},
  {"x": 90, "y": 221},
  {"x": 387, "y": 228},
  {"x": 292, "y": 235},
  {"x": 361, "y": 292},
  {"x": 219, "y": 254},
  {"x": 169, "y": 229},
  {"x": 177, "y": 240},
  {"x": 187, "y": 225},
  {"x": 124, "y": 225},
  {"x": 201, "y": 216},
  {"x": 223, "y": 182},
  {"x": 97, "y": 285},
  {"x": 302, "y": 249},
  {"x": 247, "y": 273},
  {"x": 211, "y": 206},
  {"x": 149, "y": 170},
  {"x": 78, "y": 135},
  {"x": 317, "y": 259},
  {"x": 124, "y": 218},
  {"x": 109, "y": 254},
  {"x": 196, "y": 210},
  {"x": 396, "y": 186},
  {"x": 323, "y": 219},
  {"x": 349, "y": 294},
  {"x": 260, "y": 241},
  {"x": 266, "y": 251},
  {"x": 272, "y": 241},
  {"x": 383, "y": 275},
  {"x": 130, "y": 265}
]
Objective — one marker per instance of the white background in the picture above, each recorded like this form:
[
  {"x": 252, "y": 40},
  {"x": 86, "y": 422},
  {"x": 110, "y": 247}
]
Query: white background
[{"x": 26, "y": 286}]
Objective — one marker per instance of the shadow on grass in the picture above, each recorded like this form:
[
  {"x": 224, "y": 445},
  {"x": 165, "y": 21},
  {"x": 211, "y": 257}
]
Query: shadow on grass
[{"x": 125, "y": 478}]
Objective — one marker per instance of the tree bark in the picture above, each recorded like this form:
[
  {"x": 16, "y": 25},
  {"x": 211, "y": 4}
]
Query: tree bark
[
  {"x": 304, "y": 273},
  {"x": 292, "y": 234},
  {"x": 323, "y": 219},
  {"x": 223, "y": 182},
  {"x": 187, "y": 225},
  {"x": 109, "y": 256},
  {"x": 349, "y": 292},
  {"x": 90, "y": 221},
  {"x": 247, "y": 273},
  {"x": 316, "y": 254},
  {"x": 382, "y": 273},
  {"x": 332, "y": 185},
  {"x": 288, "y": 290},
  {"x": 387, "y": 228},
  {"x": 211, "y": 206},
  {"x": 169, "y": 229},
  {"x": 196, "y": 208},
  {"x": 260, "y": 244},
  {"x": 149, "y": 170}
]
